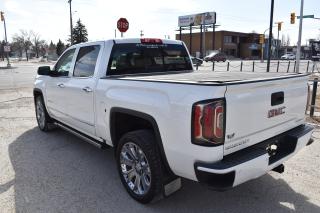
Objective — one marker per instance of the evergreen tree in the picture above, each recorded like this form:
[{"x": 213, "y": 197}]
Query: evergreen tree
[
  {"x": 52, "y": 47},
  {"x": 60, "y": 47},
  {"x": 79, "y": 33}
]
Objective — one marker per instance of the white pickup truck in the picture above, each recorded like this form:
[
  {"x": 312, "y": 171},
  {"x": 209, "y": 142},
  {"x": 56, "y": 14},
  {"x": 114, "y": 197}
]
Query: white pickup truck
[{"x": 166, "y": 121}]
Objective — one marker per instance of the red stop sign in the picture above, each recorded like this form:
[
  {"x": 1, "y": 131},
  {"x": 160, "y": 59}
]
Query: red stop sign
[{"x": 123, "y": 25}]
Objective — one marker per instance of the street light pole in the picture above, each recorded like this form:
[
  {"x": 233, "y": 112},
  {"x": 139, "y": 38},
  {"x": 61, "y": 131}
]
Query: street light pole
[
  {"x": 263, "y": 46},
  {"x": 71, "y": 27},
  {"x": 270, "y": 35},
  {"x": 299, "y": 39}
]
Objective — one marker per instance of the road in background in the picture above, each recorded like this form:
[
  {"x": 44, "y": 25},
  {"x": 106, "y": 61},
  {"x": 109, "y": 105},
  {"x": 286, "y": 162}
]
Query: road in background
[{"x": 21, "y": 74}]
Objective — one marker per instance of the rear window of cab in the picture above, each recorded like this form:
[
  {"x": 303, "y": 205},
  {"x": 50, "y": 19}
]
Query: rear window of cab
[{"x": 136, "y": 58}]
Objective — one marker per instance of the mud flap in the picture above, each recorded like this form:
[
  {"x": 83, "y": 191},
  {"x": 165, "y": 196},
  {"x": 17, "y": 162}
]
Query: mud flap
[{"x": 172, "y": 187}]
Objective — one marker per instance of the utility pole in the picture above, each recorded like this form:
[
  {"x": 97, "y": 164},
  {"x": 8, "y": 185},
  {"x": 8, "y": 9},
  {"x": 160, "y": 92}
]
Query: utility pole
[
  {"x": 5, "y": 36},
  {"x": 299, "y": 38},
  {"x": 71, "y": 27},
  {"x": 270, "y": 35},
  {"x": 264, "y": 44}
]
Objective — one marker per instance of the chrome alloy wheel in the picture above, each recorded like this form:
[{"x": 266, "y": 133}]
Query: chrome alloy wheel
[
  {"x": 40, "y": 113},
  {"x": 135, "y": 168}
]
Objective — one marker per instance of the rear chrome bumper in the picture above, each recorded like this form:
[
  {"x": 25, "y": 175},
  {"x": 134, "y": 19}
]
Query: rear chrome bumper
[{"x": 254, "y": 161}]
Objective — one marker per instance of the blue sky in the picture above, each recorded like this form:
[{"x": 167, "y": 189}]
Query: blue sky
[{"x": 50, "y": 18}]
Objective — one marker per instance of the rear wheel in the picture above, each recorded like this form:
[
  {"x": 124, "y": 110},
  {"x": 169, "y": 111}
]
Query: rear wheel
[
  {"x": 139, "y": 165},
  {"x": 43, "y": 118}
]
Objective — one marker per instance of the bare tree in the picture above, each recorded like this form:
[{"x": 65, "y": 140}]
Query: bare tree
[
  {"x": 23, "y": 41},
  {"x": 283, "y": 41},
  {"x": 17, "y": 45},
  {"x": 288, "y": 40},
  {"x": 39, "y": 45}
]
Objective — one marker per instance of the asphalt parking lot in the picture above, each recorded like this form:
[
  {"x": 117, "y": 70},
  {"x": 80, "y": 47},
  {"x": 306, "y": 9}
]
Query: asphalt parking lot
[{"x": 58, "y": 172}]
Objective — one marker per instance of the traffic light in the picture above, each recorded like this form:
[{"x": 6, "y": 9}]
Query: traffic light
[
  {"x": 279, "y": 26},
  {"x": 2, "y": 16},
  {"x": 293, "y": 18},
  {"x": 261, "y": 39}
]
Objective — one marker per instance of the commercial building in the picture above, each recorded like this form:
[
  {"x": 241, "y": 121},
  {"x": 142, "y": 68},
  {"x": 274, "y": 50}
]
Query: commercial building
[{"x": 234, "y": 44}]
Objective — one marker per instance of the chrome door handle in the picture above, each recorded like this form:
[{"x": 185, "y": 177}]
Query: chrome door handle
[
  {"x": 87, "y": 89},
  {"x": 61, "y": 85}
]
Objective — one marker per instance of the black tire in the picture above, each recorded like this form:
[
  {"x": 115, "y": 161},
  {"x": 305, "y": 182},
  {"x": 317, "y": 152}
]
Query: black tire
[
  {"x": 146, "y": 141},
  {"x": 47, "y": 121}
]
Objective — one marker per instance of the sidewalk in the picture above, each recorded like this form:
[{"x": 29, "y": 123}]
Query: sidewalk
[{"x": 3, "y": 65}]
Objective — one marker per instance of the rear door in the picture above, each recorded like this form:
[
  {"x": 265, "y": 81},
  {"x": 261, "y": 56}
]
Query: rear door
[
  {"x": 258, "y": 111},
  {"x": 80, "y": 89}
]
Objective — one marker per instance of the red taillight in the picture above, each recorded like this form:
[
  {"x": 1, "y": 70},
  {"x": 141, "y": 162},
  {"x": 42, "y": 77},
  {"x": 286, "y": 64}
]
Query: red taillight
[
  {"x": 151, "y": 41},
  {"x": 196, "y": 121},
  {"x": 208, "y": 123}
]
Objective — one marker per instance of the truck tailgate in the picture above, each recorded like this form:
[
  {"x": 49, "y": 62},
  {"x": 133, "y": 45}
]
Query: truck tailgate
[{"x": 261, "y": 110}]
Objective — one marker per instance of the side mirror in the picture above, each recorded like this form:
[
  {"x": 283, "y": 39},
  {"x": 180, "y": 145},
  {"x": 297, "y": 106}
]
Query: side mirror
[{"x": 44, "y": 70}]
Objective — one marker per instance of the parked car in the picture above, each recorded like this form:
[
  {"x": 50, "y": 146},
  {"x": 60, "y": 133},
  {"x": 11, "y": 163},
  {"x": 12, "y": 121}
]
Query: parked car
[
  {"x": 216, "y": 56},
  {"x": 166, "y": 121},
  {"x": 196, "y": 61},
  {"x": 288, "y": 56}
]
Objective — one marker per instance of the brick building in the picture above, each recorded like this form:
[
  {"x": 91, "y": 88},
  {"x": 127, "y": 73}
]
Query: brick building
[{"x": 234, "y": 44}]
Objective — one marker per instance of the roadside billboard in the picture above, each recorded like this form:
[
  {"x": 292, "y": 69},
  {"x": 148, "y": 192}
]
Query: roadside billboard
[
  {"x": 197, "y": 19},
  {"x": 315, "y": 50}
]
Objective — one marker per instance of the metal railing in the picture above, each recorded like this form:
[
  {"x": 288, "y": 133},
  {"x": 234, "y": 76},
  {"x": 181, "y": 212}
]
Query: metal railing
[{"x": 257, "y": 66}]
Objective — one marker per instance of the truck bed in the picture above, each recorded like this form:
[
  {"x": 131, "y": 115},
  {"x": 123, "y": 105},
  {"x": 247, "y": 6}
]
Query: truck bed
[{"x": 209, "y": 77}]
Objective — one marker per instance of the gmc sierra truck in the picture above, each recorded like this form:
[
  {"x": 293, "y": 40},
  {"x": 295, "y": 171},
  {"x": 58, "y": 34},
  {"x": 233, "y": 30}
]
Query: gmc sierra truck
[{"x": 167, "y": 121}]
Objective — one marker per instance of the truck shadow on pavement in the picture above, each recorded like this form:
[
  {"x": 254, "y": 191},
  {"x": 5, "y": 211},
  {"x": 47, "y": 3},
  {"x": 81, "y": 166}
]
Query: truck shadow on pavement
[{"x": 57, "y": 172}]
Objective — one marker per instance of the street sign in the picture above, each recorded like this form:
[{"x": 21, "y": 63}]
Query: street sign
[
  {"x": 6, "y": 48},
  {"x": 123, "y": 25},
  {"x": 307, "y": 16}
]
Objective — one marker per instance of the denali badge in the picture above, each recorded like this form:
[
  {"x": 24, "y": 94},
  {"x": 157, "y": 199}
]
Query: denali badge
[{"x": 276, "y": 112}]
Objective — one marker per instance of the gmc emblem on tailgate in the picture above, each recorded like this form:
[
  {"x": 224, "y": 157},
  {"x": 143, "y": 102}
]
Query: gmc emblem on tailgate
[{"x": 276, "y": 112}]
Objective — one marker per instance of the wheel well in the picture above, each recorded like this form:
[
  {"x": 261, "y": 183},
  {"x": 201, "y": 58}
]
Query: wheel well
[
  {"x": 122, "y": 123},
  {"x": 125, "y": 120},
  {"x": 36, "y": 93}
]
